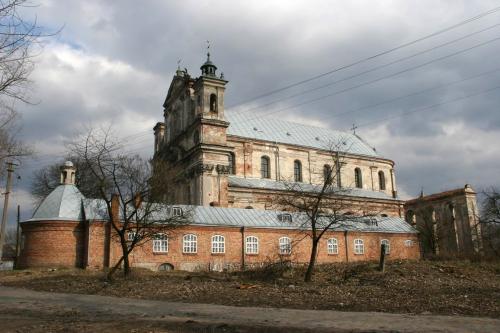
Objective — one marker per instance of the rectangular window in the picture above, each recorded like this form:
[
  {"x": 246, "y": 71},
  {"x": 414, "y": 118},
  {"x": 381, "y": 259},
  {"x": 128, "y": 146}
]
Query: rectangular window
[
  {"x": 285, "y": 244},
  {"x": 251, "y": 245},
  {"x": 218, "y": 244},
  {"x": 176, "y": 211},
  {"x": 160, "y": 243},
  {"x": 333, "y": 246},
  {"x": 359, "y": 247},
  {"x": 131, "y": 235},
  {"x": 408, "y": 243},
  {"x": 189, "y": 244}
]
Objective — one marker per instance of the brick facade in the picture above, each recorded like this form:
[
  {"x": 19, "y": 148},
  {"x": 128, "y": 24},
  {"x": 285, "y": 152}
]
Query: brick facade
[{"x": 55, "y": 243}]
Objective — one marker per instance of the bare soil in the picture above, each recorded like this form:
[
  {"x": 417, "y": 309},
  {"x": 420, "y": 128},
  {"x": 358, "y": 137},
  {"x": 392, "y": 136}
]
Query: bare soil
[{"x": 418, "y": 287}]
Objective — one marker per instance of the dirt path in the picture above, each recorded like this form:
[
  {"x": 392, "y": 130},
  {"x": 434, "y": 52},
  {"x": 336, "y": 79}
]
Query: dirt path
[{"x": 30, "y": 311}]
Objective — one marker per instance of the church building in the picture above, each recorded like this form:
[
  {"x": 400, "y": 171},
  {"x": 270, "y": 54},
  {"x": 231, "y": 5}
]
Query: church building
[{"x": 230, "y": 169}]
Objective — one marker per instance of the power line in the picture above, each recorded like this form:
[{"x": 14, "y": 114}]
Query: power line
[
  {"x": 483, "y": 92},
  {"x": 376, "y": 80},
  {"x": 493, "y": 71},
  {"x": 369, "y": 70},
  {"x": 272, "y": 92}
]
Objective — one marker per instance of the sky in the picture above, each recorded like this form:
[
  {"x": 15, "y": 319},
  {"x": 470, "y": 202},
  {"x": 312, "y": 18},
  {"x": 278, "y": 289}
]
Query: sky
[{"x": 432, "y": 106}]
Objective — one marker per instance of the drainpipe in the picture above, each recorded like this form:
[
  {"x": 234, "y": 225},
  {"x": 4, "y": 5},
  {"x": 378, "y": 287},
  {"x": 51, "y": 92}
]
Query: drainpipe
[
  {"x": 242, "y": 231},
  {"x": 309, "y": 161},
  {"x": 277, "y": 161},
  {"x": 346, "y": 247}
]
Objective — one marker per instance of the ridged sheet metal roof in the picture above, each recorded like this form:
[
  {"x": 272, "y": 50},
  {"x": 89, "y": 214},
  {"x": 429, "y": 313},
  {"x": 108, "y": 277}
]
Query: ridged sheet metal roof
[{"x": 276, "y": 130}]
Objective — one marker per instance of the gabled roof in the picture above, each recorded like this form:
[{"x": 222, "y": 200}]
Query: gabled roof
[
  {"x": 277, "y": 130},
  {"x": 63, "y": 203},
  {"x": 268, "y": 184}
]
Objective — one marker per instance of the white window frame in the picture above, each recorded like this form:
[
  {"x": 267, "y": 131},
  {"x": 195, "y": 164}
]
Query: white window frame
[
  {"x": 218, "y": 244},
  {"x": 251, "y": 245},
  {"x": 131, "y": 235},
  {"x": 285, "y": 217},
  {"x": 285, "y": 245},
  {"x": 160, "y": 243},
  {"x": 408, "y": 243},
  {"x": 190, "y": 243},
  {"x": 359, "y": 246},
  {"x": 333, "y": 246},
  {"x": 387, "y": 245},
  {"x": 176, "y": 211}
]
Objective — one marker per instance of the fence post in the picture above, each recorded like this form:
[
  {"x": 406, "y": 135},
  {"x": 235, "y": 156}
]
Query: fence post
[{"x": 381, "y": 265}]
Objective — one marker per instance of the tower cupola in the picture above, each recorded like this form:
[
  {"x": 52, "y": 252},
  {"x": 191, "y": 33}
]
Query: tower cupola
[
  {"x": 68, "y": 172},
  {"x": 208, "y": 68}
]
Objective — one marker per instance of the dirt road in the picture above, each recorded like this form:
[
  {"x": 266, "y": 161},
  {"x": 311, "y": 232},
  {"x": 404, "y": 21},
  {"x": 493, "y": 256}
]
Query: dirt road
[{"x": 30, "y": 311}]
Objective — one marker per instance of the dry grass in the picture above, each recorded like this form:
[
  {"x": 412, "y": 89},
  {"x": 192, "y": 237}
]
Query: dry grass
[{"x": 450, "y": 287}]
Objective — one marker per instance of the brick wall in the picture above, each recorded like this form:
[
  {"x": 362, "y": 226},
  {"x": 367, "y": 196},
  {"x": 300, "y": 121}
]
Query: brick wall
[
  {"x": 58, "y": 243},
  {"x": 52, "y": 243}
]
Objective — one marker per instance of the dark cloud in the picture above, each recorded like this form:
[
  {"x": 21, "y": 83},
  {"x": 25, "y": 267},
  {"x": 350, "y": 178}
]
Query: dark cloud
[{"x": 113, "y": 63}]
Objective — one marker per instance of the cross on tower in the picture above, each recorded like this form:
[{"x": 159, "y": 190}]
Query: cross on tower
[{"x": 353, "y": 129}]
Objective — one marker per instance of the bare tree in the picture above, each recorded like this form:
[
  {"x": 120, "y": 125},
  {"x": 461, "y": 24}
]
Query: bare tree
[
  {"x": 125, "y": 184},
  {"x": 322, "y": 207},
  {"x": 46, "y": 179},
  {"x": 490, "y": 221},
  {"x": 20, "y": 42}
]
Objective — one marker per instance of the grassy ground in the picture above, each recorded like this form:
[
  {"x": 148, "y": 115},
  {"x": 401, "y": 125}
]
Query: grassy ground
[{"x": 430, "y": 287}]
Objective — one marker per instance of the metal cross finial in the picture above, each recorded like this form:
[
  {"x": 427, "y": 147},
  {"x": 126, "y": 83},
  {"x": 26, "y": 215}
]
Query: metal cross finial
[
  {"x": 208, "y": 45},
  {"x": 179, "y": 63},
  {"x": 353, "y": 129}
]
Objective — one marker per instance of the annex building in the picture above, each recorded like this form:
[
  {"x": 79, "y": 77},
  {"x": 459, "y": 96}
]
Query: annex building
[{"x": 230, "y": 169}]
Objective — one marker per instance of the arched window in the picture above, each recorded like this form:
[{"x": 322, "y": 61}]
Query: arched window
[
  {"x": 232, "y": 165},
  {"x": 333, "y": 246},
  {"x": 410, "y": 217},
  {"x": 297, "y": 171},
  {"x": 160, "y": 243},
  {"x": 327, "y": 174},
  {"x": 359, "y": 246},
  {"x": 213, "y": 103},
  {"x": 218, "y": 244},
  {"x": 381, "y": 180},
  {"x": 387, "y": 245},
  {"x": 265, "y": 171},
  {"x": 358, "y": 178},
  {"x": 285, "y": 244},
  {"x": 251, "y": 245},
  {"x": 189, "y": 243}
]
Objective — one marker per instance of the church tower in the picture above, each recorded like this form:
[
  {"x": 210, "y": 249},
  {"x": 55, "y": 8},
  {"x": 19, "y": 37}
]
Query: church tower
[{"x": 192, "y": 140}]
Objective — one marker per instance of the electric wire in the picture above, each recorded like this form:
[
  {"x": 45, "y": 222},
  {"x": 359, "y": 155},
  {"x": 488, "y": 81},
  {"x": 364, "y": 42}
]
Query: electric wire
[
  {"x": 367, "y": 71},
  {"x": 436, "y": 33}
]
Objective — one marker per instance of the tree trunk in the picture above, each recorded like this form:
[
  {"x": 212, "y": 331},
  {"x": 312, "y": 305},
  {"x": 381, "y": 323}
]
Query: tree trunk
[
  {"x": 312, "y": 260},
  {"x": 126, "y": 262},
  {"x": 113, "y": 270}
]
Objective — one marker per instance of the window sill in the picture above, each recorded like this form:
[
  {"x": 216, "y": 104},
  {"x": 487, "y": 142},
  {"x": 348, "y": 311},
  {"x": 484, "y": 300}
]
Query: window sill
[
  {"x": 159, "y": 253},
  {"x": 251, "y": 254},
  {"x": 333, "y": 254},
  {"x": 219, "y": 254},
  {"x": 189, "y": 253}
]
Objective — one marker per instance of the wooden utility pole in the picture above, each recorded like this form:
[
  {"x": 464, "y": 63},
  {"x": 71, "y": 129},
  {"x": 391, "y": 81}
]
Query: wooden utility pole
[
  {"x": 17, "y": 236},
  {"x": 10, "y": 170}
]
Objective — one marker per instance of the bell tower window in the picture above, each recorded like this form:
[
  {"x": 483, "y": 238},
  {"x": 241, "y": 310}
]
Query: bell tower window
[{"x": 213, "y": 103}]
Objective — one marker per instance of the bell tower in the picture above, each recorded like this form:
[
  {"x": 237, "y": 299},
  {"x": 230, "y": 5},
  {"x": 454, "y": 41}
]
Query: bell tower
[
  {"x": 192, "y": 140},
  {"x": 212, "y": 153}
]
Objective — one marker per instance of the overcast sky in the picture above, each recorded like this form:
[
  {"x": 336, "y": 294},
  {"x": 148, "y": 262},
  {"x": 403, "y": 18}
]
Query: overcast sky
[{"x": 113, "y": 62}]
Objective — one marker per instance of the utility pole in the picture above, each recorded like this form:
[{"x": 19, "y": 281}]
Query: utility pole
[
  {"x": 10, "y": 170},
  {"x": 18, "y": 243}
]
